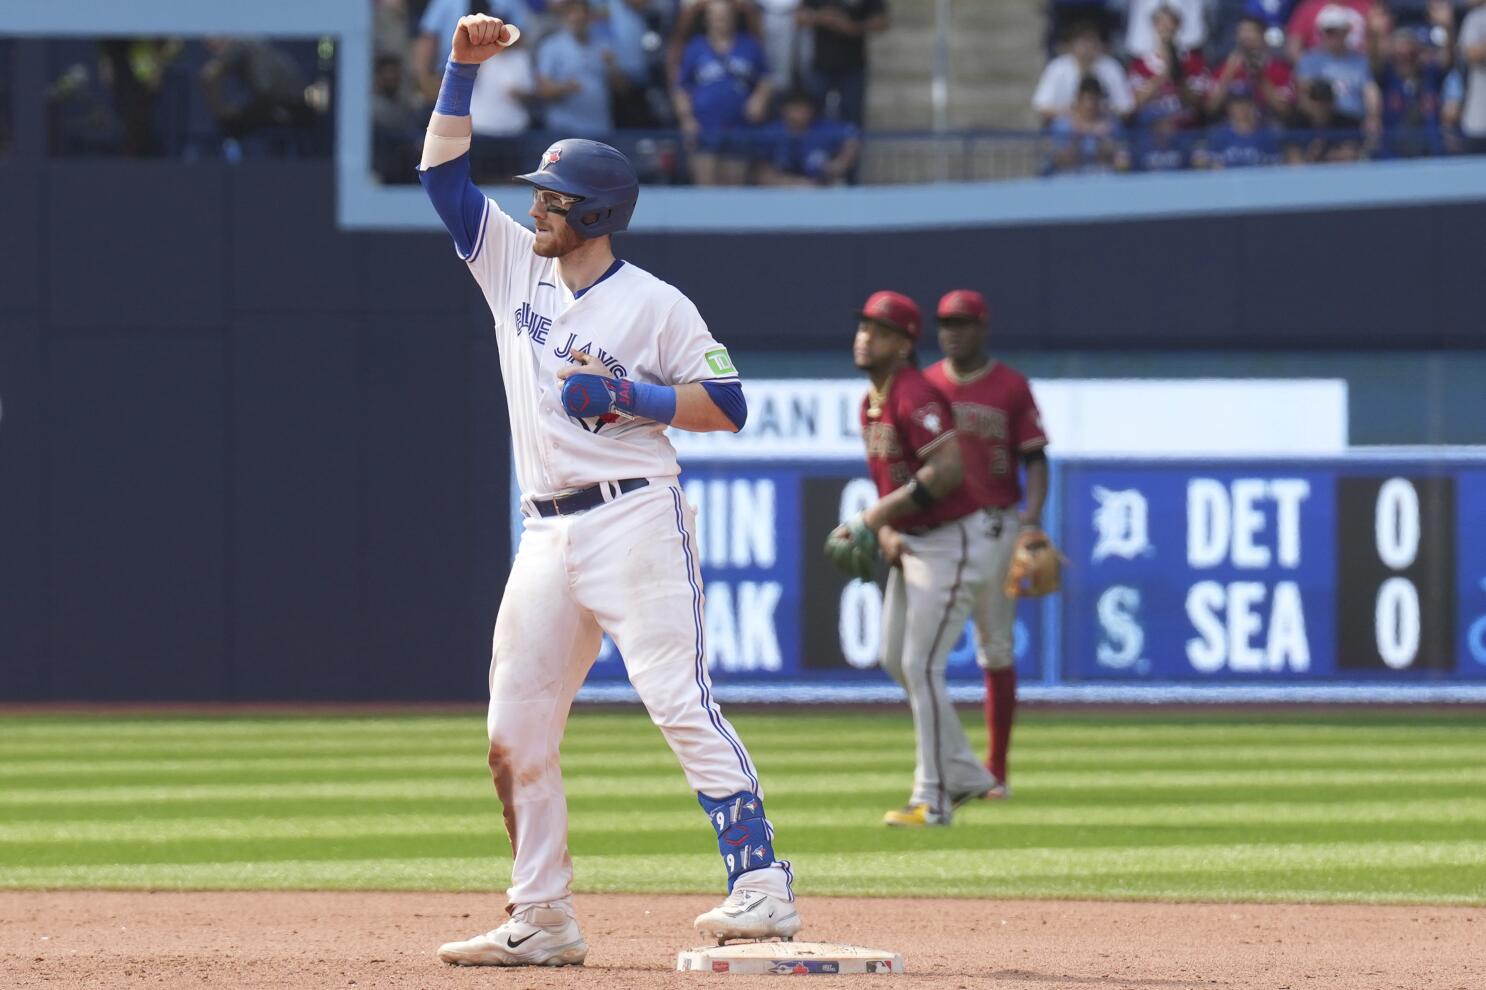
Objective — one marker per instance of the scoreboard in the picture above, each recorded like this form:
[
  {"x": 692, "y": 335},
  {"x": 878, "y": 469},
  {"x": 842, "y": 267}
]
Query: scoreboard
[
  {"x": 1343, "y": 570},
  {"x": 1334, "y": 570}
]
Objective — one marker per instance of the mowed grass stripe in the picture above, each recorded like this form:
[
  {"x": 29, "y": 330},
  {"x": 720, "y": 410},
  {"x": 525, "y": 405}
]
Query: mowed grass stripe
[
  {"x": 1448, "y": 811},
  {"x": 1108, "y": 806},
  {"x": 798, "y": 784},
  {"x": 887, "y": 793},
  {"x": 799, "y": 841},
  {"x": 609, "y": 729},
  {"x": 1257, "y": 868},
  {"x": 659, "y": 758}
]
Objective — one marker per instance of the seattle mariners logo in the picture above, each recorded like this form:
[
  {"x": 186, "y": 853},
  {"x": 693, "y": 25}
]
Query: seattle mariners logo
[
  {"x": 1121, "y": 635},
  {"x": 1121, "y": 523}
]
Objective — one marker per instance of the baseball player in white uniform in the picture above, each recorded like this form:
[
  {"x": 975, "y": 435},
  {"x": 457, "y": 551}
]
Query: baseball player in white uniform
[{"x": 598, "y": 358}]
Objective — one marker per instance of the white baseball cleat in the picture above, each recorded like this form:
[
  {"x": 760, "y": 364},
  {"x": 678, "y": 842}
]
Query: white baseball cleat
[
  {"x": 749, "y": 914},
  {"x": 535, "y": 936}
]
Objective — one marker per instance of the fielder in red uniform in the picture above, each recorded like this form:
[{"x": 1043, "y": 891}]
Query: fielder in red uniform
[
  {"x": 1000, "y": 432},
  {"x": 939, "y": 543}
]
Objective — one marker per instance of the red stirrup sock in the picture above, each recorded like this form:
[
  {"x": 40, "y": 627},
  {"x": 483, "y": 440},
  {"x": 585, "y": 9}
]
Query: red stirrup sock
[{"x": 1000, "y": 709}]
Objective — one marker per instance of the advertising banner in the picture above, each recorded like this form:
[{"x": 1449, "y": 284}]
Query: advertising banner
[
  {"x": 1306, "y": 569},
  {"x": 776, "y": 610},
  {"x": 1345, "y": 571}
]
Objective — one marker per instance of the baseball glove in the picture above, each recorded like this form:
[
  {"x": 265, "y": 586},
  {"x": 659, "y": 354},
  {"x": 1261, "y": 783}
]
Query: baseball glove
[
  {"x": 852, "y": 547},
  {"x": 1036, "y": 566}
]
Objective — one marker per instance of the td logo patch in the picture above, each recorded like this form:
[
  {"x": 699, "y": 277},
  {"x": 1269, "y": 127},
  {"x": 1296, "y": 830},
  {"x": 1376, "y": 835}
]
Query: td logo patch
[{"x": 719, "y": 362}]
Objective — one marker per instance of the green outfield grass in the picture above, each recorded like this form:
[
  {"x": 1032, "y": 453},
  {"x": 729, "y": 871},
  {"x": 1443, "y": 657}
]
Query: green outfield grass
[{"x": 1304, "y": 806}]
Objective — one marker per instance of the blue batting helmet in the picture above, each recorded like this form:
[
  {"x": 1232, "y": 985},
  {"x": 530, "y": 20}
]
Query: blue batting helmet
[{"x": 597, "y": 173}]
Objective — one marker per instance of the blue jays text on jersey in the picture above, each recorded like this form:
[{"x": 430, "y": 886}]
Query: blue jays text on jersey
[{"x": 536, "y": 326}]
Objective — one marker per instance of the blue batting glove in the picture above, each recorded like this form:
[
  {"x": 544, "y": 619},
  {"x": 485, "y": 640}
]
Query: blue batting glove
[{"x": 586, "y": 396}]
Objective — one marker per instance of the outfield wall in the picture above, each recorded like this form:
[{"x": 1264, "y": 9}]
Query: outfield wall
[{"x": 245, "y": 454}]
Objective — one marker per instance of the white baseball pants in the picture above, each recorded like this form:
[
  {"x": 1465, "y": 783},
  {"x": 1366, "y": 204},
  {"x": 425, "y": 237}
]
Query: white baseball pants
[{"x": 629, "y": 568}]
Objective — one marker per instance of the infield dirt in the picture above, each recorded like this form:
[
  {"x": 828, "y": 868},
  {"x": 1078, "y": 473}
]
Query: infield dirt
[{"x": 105, "y": 939}]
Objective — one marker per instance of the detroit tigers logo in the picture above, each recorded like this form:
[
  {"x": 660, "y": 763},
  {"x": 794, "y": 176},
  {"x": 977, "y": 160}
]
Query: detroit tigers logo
[
  {"x": 1121, "y": 522},
  {"x": 532, "y": 323}
]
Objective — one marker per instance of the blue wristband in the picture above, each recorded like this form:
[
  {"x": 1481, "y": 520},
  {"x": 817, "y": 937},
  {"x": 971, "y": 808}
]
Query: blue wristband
[
  {"x": 457, "y": 88},
  {"x": 657, "y": 402}
]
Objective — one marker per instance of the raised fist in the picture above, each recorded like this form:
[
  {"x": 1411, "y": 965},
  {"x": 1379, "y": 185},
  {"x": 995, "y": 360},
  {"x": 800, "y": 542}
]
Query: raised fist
[{"x": 479, "y": 36}]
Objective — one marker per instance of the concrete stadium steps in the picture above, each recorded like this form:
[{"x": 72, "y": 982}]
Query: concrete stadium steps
[
  {"x": 995, "y": 49},
  {"x": 995, "y": 56}
]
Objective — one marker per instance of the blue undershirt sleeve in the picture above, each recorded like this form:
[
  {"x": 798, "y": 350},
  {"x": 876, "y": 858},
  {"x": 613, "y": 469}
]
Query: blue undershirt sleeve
[
  {"x": 728, "y": 396},
  {"x": 458, "y": 202}
]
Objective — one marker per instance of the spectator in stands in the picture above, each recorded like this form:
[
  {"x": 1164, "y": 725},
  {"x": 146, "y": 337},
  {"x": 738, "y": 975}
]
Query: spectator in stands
[
  {"x": 504, "y": 89},
  {"x": 395, "y": 125},
  {"x": 1473, "y": 64},
  {"x": 803, "y": 150},
  {"x": 1141, "y": 38},
  {"x": 390, "y": 113},
  {"x": 1059, "y": 86},
  {"x": 1162, "y": 146},
  {"x": 1274, "y": 14},
  {"x": 1410, "y": 85},
  {"x": 840, "y": 29},
  {"x": 722, "y": 86},
  {"x": 390, "y": 28},
  {"x": 1243, "y": 140},
  {"x": 134, "y": 68},
  {"x": 1452, "y": 106},
  {"x": 574, "y": 74},
  {"x": 1171, "y": 82},
  {"x": 1323, "y": 134},
  {"x": 691, "y": 21},
  {"x": 1254, "y": 67},
  {"x": 268, "y": 90},
  {"x": 1086, "y": 138},
  {"x": 1304, "y": 31},
  {"x": 431, "y": 47},
  {"x": 1354, "y": 94},
  {"x": 1064, "y": 16},
  {"x": 622, "y": 24},
  {"x": 782, "y": 42}
]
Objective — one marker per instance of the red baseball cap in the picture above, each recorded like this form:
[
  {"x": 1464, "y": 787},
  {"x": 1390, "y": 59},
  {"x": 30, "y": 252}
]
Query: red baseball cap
[
  {"x": 963, "y": 304},
  {"x": 894, "y": 309}
]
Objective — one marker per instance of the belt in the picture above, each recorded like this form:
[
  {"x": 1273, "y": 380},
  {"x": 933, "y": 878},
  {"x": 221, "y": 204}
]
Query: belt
[{"x": 584, "y": 498}]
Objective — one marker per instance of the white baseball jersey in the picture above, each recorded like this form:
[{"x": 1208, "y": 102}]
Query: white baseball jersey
[{"x": 640, "y": 328}]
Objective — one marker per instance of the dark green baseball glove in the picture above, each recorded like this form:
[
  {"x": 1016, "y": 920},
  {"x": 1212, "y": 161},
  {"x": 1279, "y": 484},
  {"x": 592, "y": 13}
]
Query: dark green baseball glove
[{"x": 852, "y": 547}]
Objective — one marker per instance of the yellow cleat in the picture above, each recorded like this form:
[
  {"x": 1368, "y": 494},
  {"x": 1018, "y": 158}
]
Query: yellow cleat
[{"x": 914, "y": 816}]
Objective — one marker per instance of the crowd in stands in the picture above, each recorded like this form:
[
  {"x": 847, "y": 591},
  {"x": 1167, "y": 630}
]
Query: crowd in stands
[
  {"x": 773, "y": 91},
  {"x": 145, "y": 97},
  {"x": 1158, "y": 85},
  {"x": 702, "y": 91}
]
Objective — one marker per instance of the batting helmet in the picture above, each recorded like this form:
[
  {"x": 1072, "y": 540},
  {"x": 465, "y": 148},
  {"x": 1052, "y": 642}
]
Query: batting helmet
[{"x": 595, "y": 173}]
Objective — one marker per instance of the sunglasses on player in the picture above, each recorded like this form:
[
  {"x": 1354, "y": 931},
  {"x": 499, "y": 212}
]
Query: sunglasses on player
[{"x": 555, "y": 202}]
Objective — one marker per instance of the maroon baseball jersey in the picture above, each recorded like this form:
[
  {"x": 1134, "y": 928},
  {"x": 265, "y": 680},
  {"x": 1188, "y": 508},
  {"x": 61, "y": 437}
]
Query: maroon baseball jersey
[
  {"x": 1168, "y": 99},
  {"x": 997, "y": 421},
  {"x": 913, "y": 421}
]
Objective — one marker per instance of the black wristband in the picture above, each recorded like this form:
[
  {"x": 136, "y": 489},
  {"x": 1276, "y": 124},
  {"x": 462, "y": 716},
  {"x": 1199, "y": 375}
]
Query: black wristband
[{"x": 919, "y": 492}]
